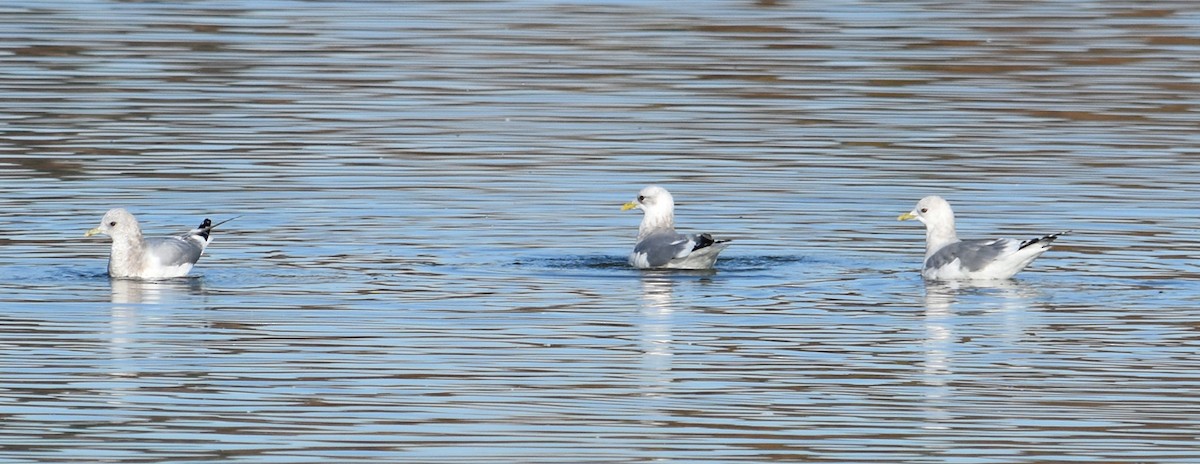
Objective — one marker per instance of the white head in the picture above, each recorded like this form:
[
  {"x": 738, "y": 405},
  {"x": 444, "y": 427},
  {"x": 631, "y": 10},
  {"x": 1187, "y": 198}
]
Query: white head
[
  {"x": 658, "y": 206},
  {"x": 117, "y": 223},
  {"x": 931, "y": 210},
  {"x": 935, "y": 212}
]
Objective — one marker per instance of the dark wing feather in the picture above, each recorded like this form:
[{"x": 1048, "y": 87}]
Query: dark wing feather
[
  {"x": 1044, "y": 240},
  {"x": 204, "y": 229},
  {"x": 704, "y": 240}
]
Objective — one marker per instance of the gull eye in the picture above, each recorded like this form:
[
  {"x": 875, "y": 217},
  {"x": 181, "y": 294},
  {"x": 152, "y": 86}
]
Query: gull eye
[
  {"x": 641, "y": 197},
  {"x": 924, "y": 210},
  {"x": 112, "y": 224}
]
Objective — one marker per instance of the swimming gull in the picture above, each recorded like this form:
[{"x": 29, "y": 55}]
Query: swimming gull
[
  {"x": 948, "y": 258},
  {"x": 135, "y": 257},
  {"x": 659, "y": 246}
]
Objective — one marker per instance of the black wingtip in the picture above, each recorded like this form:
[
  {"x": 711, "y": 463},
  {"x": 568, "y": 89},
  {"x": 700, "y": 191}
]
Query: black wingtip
[
  {"x": 1046, "y": 239},
  {"x": 205, "y": 228},
  {"x": 705, "y": 240}
]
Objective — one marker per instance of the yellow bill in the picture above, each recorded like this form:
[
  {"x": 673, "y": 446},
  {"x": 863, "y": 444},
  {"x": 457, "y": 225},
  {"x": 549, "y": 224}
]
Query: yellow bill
[
  {"x": 91, "y": 232},
  {"x": 906, "y": 216},
  {"x": 628, "y": 206}
]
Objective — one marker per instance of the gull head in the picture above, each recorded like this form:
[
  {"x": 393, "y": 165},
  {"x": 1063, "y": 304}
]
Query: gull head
[
  {"x": 931, "y": 210},
  {"x": 654, "y": 200},
  {"x": 116, "y": 222}
]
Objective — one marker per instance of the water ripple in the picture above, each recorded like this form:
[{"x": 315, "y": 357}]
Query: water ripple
[{"x": 431, "y": 265}]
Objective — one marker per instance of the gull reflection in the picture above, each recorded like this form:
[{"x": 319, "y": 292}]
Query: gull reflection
[
  {"x": 134, "y": 292},
  {"x": 127, "y": 297},
  {"x": 950, "y": 328},
  {"x": 657, "y": 309},
  {"x": 938, "y": 344}
]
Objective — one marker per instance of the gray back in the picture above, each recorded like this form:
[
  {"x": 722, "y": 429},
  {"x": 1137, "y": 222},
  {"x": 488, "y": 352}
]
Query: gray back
[
  {"x": 174, "y": 251},
  {"x": 661, "y": 247},
  {"x": 972, "y": 254}
]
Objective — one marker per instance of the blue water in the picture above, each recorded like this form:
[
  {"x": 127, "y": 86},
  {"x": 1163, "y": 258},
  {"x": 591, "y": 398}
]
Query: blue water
[{"x": 431, "y": 262}]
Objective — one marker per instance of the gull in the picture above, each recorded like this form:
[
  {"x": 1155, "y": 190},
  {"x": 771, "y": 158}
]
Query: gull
[
  {"x": 135, "y": 257},
  {"x": 948, "y": 258},
  {"x": 658, "y": 245}
]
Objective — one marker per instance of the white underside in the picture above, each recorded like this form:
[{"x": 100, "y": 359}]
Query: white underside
[
  {"x": 153, "y": 272},
  {"x": 1003, "y": 267},
  {"x": 704, "y": 258},
  {"x": 123, "y": 264}
]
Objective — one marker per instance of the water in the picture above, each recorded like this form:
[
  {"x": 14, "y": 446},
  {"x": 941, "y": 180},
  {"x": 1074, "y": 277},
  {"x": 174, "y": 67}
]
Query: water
[{"x": 431, "y": 263}]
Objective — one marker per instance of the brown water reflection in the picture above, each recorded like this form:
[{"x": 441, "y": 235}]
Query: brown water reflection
[{"x": 430, "y": 266}]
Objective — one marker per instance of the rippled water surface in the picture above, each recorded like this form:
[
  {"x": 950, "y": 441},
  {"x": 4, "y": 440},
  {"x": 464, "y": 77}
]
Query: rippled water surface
[{"x": 430, "y": 266}]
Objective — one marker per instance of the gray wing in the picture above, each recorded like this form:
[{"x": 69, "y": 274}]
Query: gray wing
[
  {"x": 971, "y": 254},
  {"x": 661, "y": 247},
  {"x": 175, "y": 251}
]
